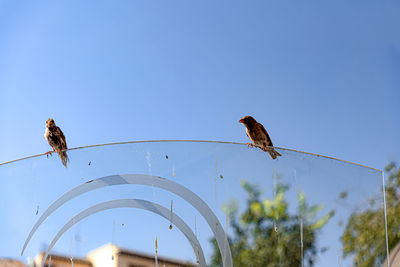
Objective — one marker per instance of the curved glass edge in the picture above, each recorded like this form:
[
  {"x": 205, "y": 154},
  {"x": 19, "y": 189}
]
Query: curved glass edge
[{"x": 193, "y": 141}]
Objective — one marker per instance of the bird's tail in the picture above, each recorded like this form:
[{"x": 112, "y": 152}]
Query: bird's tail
[
  {"x": 273, "y": 153},
  {"x": 64, "y": 157}
]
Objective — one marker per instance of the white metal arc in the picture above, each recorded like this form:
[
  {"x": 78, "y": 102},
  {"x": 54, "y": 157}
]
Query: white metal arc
[
  {"x": 136, "y": 204},
  {"x": 149, "y": 180}
]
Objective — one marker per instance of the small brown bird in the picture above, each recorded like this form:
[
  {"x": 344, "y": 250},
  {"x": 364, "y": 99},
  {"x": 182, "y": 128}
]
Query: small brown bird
[
  {"x": 258, "y": 135},
  {"x": 56, "y": 140}
]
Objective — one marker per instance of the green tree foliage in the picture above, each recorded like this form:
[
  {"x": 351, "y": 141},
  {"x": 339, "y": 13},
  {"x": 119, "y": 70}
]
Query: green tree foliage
[
  {"x": 364, "y": 236},
  {"x": 266, "y": 235}
]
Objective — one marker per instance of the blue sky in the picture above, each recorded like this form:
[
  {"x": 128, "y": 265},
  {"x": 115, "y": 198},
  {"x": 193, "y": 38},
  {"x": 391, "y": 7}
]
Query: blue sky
[{"x": 321, "y": 76}]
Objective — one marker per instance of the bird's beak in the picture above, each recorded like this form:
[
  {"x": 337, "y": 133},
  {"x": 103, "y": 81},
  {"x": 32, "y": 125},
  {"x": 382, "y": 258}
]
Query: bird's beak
[{"x": 241, "y": 120}]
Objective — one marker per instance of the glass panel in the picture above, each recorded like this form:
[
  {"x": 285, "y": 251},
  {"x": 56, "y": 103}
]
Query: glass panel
[{"x": 298, "y": 210}]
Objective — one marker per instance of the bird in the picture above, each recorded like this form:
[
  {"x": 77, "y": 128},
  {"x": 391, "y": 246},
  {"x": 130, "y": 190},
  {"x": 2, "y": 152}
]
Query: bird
[
  {"x": 56, "y": 140},
  {"x": 259, "y": 136}
]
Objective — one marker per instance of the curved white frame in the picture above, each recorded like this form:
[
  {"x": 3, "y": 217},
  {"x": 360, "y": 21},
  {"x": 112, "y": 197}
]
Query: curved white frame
[
  {"x": 150, "y": 180},
  {"x": 136, "y": 204}
]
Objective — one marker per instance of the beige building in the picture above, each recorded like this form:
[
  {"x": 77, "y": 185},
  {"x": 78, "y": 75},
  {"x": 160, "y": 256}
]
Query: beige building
[
  {"x": 110, "y": 256},
  {"x": 11, "y": 263},
  {"x": 59, "y": 261},
  {"x": 394, "y": 257}
]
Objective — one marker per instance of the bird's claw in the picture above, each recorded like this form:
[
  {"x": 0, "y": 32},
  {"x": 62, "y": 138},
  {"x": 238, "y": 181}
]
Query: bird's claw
[
  {"x": 249, "y": 145},
  {"x": 49, "y": 153}
]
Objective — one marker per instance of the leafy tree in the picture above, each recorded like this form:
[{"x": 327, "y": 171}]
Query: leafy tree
[
  {"x": 266, "y": 235},
  {"x": 364, "y": 236}
]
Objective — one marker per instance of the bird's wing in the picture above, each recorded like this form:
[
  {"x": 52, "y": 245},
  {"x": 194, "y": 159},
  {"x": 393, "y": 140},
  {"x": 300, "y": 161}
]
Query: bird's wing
[
  {"x": 52, "y": 141},
  {"x": 63, "y": 142},
  {"x": 266, "y": 135}
]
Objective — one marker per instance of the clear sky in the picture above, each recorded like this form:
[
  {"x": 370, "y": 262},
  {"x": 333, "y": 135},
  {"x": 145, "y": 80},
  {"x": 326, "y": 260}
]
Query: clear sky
[{"x": 321, "y": 76}]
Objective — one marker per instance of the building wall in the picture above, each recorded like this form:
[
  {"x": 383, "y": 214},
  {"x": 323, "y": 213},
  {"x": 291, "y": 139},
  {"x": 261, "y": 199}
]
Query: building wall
[
  {"x": 105, "y": 256},
  {"x": 394, "y": 259},
  {"x": 11, "y": 263},
  {"x": 60, "y": 261},
  {"x": 111, "y": 256},
  {"x": 139, "y": 261}
]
